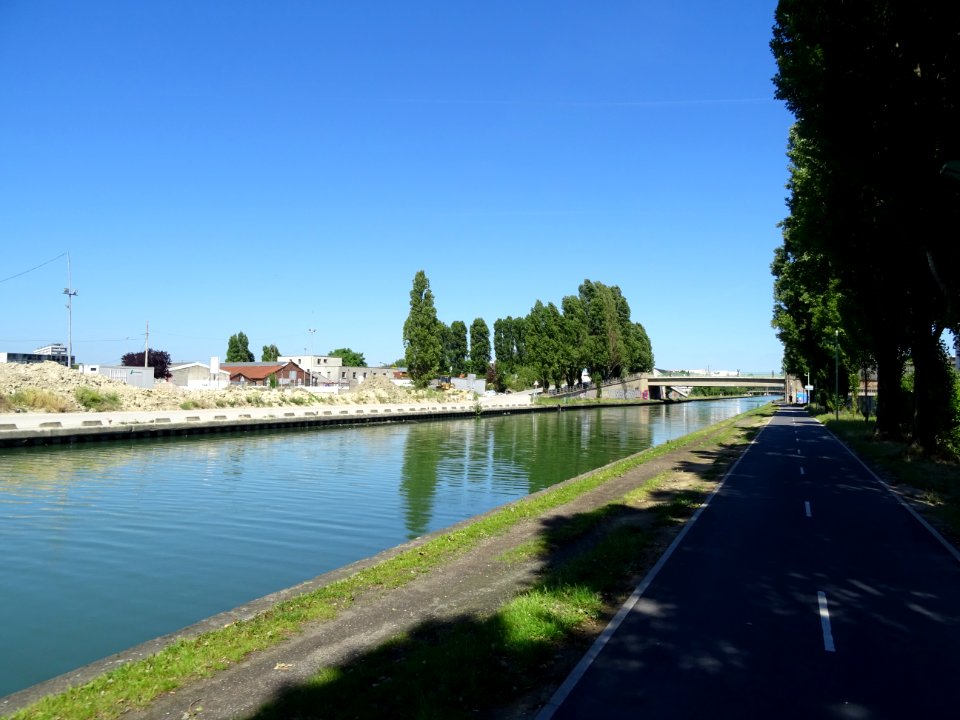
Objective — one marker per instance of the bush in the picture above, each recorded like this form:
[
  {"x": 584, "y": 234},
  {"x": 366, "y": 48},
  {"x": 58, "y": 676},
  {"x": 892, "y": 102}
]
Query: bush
[
  {"x": 33, "y": 399},
  {"x": 96, "y": 401}
]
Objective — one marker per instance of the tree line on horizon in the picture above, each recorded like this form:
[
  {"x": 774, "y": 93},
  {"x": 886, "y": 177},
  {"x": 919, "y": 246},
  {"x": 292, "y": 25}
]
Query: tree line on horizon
[
  {"x": 866, "y": 279},
  {"x": 591, "y": 331},
  {"x": 238, "y": 350}
]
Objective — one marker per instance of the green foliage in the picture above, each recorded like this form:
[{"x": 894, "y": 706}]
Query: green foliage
[
  {"x": 593, "y": 331},
  {"x": 872, "y": 223},
  {"x": 522, "y": 379},
  {"x": 238, "y": 349},
  {"x": 422, "y": 334},
  {"x": 509, "y": 343},
  {"x": 351, "y": 358},
  {"x": 270, "y": 353},
  {"x": 479, "y": 347},
  {"x": 640, "y": 349},
  {"x": 950, "y": 438},
  {"x": 97, "y": 401},
  {"x": 719, "y": 392},
  {"x": 545, "y": 343},
  {"x": 455, "y": 349}
]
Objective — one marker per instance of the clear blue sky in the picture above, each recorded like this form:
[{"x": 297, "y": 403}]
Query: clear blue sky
[{"x": 215, "y": 167}]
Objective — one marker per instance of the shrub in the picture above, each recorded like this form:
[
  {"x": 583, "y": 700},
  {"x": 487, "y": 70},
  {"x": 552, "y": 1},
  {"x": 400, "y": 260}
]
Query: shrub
[
  {"x": 91, "y": 399},
  {"x": 34, "y": 399}
]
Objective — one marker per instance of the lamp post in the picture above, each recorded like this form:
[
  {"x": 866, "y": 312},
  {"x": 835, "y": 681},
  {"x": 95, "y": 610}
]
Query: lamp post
[
  {"x": 70, "y": 293},
  {"x": 836, "y": 373}
]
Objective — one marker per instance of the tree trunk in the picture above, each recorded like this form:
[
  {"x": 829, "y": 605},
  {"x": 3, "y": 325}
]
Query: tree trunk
[{"x": 890, "y": 407}]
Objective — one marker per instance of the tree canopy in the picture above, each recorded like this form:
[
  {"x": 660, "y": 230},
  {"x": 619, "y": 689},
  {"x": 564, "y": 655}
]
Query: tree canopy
[
  {"x": 351, "y": 358},
  {"x": 238, "y": 348},
  {"x": 591, "y": 330},
  {"x": 456, "y": 349},
  {"x": 159, "y": 360},
  {"x": 270, "y": 353},
  {"x": 422, "y": 333},
  {"x": 479, "y": 347},
  {"x": 866, "y": 269},
  {"x": 551, "y": 345}
]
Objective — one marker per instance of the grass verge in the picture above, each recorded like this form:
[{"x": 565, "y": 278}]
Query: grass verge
[
  {"x": 473, "y": 664},
  {"x": 930, "y": 484}
]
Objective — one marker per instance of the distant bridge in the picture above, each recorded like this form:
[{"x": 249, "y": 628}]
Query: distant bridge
[{"x": 663, "y": 386}]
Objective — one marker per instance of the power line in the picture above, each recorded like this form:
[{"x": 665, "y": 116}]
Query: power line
[{"x": 33, "y": 268}]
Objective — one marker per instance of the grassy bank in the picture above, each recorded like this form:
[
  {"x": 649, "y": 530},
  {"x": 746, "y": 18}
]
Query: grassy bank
[
  {"x": 455, "y": 670},
  {"x": 932, "y": 486}
]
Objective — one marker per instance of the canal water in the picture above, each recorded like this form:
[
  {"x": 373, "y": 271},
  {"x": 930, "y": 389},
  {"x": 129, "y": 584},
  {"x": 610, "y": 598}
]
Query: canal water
[{"x": 106, "y": 545}]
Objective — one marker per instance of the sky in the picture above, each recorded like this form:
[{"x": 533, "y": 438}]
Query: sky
[{"x": 194, "y": 168}]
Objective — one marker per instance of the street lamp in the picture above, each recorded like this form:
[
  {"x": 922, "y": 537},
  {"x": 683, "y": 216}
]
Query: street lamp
[
  {"x": 70, "y": 293},
  {"x": 836, "y": 373}
]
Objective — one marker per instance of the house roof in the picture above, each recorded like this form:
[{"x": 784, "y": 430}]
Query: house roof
[
  {"x": 186, "y": 366},
  {"x": 257, "y": 370}
]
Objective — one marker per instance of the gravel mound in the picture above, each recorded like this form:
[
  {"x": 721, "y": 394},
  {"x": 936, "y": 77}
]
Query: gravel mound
[{"x": 63, "y": 382}]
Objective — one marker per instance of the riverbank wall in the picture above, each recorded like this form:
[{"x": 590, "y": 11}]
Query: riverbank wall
[{"x": 26, "y": 429}]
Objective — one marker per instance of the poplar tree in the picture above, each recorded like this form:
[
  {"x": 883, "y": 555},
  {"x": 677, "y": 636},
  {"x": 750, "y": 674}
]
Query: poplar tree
[
  {"x": 238, "y": 348},
  {"x": 457, "y": 347},
  {"x": 422, "y": 334},
  {"x": 479, "y": 347},
  {"x": 270, "y": 353},
  {"x": 873, "y": 87}
]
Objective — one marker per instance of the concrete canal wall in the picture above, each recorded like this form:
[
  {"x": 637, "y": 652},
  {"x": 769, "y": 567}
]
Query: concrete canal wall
[{"x": 24, "y": 429}]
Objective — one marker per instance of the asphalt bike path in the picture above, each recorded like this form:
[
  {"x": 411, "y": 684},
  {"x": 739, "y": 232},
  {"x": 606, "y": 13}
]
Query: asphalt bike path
[{"x": 804, "y": 588}]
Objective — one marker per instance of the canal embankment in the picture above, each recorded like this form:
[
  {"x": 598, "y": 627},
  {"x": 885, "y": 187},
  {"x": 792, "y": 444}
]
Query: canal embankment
[{"x": 25, "y": 429}]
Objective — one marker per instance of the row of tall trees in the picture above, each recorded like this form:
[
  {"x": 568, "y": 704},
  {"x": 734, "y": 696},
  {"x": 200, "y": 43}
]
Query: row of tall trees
[
  {"x": 867, "y": 277},
  {"x": 238, "y": 350},
  {"x": 433, "y": 348},
  {"x": 591, "y": 330}
]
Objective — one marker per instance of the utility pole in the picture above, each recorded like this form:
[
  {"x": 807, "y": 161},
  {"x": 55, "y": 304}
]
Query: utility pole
[
  {"x": 146, "y": 346},
  {"x": 70, "y": 293}
]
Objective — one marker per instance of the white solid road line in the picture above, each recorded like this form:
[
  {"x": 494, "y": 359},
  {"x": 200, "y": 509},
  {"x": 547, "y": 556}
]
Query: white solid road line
[{"x": 825, "y": 622}]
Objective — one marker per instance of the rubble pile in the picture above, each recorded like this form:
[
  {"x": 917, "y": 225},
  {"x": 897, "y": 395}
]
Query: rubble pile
[{"x": 63, "y": 382}]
